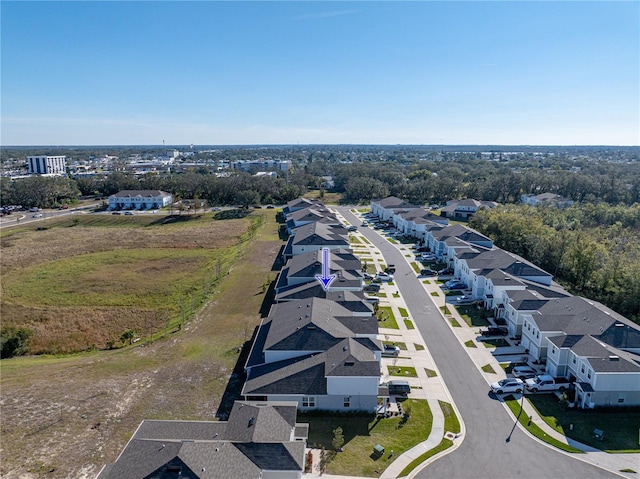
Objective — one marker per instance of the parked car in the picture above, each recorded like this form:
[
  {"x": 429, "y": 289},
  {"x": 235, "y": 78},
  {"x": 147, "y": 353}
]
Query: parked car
[
  {"x": 398, "y": 387},
  {"x": 390, "y": 351},
  {"x": 34, "y": 209},
  {"x": 37, "y": 215},
  {"x": 523, "y": 372},
  {"x": 494, "y": 331},
  {"x": 391, "y": 268},
  {"x": 427, "y": 272},
  {"x": 384, "y": 276},
  {"x": 453, "y": 282},
  {"x": 457, "y": 286},
  {"x": 366, "y": 275},
  {"x": 352, "y": 228},
  {"x": 64, "y": 207},
  {"x": 509, "y": 385},
  {"x": 545, "y": 382},
  {"x": 116, "y": 213},
  {"x": 445, "y": 271},
  {"x": 371, "y": 288},
  {"x": 428, "y": 256},
  {"x": 464, "y": 300},
  {"x": 128, "y": 213}
]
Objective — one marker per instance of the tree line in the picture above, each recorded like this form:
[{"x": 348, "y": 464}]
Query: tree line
[{"x": 592, "y": 250}]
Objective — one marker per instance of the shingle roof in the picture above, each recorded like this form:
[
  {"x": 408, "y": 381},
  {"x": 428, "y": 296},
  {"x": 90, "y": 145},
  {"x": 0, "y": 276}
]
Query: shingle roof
[
  {"x": 393, "y": 202},
  {"x": 318, "y": 233},
  {"x": 189, "y": 446}
]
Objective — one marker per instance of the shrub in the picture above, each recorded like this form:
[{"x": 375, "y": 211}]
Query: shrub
[{"x": 14, "y": 341}]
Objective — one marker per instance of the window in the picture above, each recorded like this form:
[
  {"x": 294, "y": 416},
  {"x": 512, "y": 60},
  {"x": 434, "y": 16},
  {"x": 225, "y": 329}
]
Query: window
[
  {"x": 553, "y": 350},
  {"x": 347, "y": 401},
  {"x": 573, "y": 360},
  {"x": 308, "y": 401},
  {"x": 589, "y": 374},
  {"x": 582, "y": 368},
  {"x": 620, "y": 399}
]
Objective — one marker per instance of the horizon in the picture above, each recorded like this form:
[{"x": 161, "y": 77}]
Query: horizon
[{"x": 320, "y": 73}]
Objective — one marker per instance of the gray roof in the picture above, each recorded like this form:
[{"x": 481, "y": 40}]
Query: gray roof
[
  {"x": 318, "y": 233},
  {"x": 507, "y": 262},
  {"x": 500, "y": 278},
  {"x": 306, "y": 375},
  {"x": 300, "y": 203},
  {"x": 237, "y": 449},
  {"x": 313, "y": 325},
  {"x": 393, "y": 202},
  {"x": 352, "y": 300},
  {"x": 601, "y": 356}
]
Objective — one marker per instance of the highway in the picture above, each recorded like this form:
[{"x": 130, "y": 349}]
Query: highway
[{"x": 492, "y": 447}]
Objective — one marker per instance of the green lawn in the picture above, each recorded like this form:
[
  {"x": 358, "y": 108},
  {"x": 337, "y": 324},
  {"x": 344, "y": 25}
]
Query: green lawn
[
  {"x": 366, "y": 240},
  {"x": 403, "y": 312},
  {"x": 620, "y": 426},
  {"x": 434, "y": 293},
  {"x": 419, "y": 347},
  {"x": 533, "y": 428},
  {"x": 361, "y": 433},
  {"x": 487, "y": 368},
  {"x": 470, "y": 344},
  {"x": 409, "y": 324},
  {"x": 472, "y": 316},
  {"x": 451, "y": 424},
  {"x": 430, "y": 373},
  {"x": 387, "y": 318},
  {"x": 415, "y": 267},
  {"x": 392, "y": 241},
  {"x": 405, "y": 371},
  {"x": 495, "y": 343},
  {"x": 354, "y": 239},
  {"x": 454, "y": 322}
]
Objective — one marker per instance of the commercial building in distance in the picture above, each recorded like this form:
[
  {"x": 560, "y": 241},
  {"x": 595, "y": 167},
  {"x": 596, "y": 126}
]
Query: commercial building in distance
[{"x": 47, "y": 165}]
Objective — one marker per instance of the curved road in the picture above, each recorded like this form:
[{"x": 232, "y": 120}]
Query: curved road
[{"x": 492, "y": 446}]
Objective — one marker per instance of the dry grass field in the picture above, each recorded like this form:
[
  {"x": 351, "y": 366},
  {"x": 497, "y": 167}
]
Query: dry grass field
[
  {"x": 84, "y": 281},
  {"x": 66, "y": 416}
]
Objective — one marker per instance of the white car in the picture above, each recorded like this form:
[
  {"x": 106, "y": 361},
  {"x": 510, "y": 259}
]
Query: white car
[
  {"x": 384, "y": 276},
  {"x": 464, "y": 300},
  {"x": 509, "y": 385}
]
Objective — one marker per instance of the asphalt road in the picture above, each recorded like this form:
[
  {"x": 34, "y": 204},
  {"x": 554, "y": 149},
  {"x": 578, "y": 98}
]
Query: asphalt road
[{"x": 493, "y": 447}]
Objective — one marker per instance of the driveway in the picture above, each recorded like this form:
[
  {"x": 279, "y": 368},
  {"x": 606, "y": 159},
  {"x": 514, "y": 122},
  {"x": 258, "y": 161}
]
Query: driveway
[{"x": 492, "y": 446}]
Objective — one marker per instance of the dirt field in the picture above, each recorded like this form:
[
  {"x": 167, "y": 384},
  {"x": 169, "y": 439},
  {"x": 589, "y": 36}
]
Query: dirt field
[{"x": 66, "y": 417}]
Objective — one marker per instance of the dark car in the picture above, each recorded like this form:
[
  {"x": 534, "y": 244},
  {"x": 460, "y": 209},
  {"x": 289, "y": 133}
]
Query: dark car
[
  {"x": 445, "y": 271},
  {"x": 457, "y": 286},
  {"x": 427, "y": 272},
  {"x": 494, "y": 331},
  {"x": 371, "y": 288},
  {"x": 116, "y": 213},
  {"x": 390, "y": 269}
]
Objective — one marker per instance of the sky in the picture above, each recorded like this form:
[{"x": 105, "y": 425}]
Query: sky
[{"x": 236, "y": 72}]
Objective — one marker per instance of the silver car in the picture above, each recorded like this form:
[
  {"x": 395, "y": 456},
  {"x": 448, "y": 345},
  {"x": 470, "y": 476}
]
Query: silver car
[{"x": 509, "y": 385}]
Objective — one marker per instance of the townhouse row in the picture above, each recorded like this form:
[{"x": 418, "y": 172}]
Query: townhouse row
[
  {"x": 318, "y": 347},
  {"x": 582, "y": 340}
]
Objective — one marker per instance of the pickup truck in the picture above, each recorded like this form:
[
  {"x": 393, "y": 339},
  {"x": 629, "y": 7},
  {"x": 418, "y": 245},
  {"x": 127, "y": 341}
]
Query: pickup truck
[{"x": 544, "y": 382}]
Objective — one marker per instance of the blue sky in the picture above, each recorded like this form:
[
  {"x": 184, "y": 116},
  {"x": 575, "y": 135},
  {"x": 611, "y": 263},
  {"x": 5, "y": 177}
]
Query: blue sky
[{"x": 86, "y": 73}]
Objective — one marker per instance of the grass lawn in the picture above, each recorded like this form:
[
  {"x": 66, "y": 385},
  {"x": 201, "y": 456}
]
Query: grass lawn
[
  {"x": 430, "y": 373},
  {"x": 454, "y": 322},
  {"x": 533, "y": 428},
  {"x": 435, "y": 293},
  {"x": 392, "y": 241},
  {"x": 620, "y": 426},
  {"x": 366, "y": 240},
  {"x": 354, "y": 239},
  {"x": 487, "y": 368},
  {"x": 445, "y": 310},
  {"x": 495, "y": 343},
  {"x": 472, "y": 316},
  {"x": 409, "y": 324},
  {"x": 381, "y": 295},
  {"x": 403, "y": 312},
  {"x": 451, "y": 424},
  {"x": 405, "y": 371},
  {"x": 470, "y": 344},
  {"x": 419, "y": 347},
  {"x": 453, "y": 292},
  {"x": 415, "y": 267},
  {"x": 361, "y": 433},
  {"x": 387, "y": 318}
]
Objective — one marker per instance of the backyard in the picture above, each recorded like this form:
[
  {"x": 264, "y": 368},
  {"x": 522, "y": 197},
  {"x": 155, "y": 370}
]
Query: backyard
[
  {"x": 620, "y": 426},
  {"x": 363, "y": 432}
]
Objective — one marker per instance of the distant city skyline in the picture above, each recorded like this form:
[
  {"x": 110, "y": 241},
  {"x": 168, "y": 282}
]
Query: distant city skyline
[{"x": 249, "y": 73}]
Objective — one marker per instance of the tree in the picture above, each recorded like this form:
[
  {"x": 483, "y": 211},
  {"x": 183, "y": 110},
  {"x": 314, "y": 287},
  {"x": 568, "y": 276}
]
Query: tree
[
  {"x": 128, "y": 335},
  {"x": 13, "y": 341},
  {"x": 338, "y": 439}
]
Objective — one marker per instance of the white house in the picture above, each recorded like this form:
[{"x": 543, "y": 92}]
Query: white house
[
  {"x": 546, "y": 199},
  {"x": 464, "y": 209},
  {"x": 384, "y": 208},
  {"x": 139, "y": 200}
]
